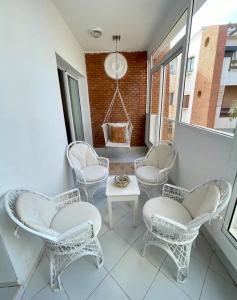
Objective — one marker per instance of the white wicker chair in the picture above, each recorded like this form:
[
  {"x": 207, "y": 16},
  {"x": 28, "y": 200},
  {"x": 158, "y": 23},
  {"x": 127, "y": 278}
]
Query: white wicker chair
[
  {"x": 89, "y": 170},
  {"x": 68, "y": 226},
  {"x": 173, "y": 220},
  {"x": 152, "y": 170}
]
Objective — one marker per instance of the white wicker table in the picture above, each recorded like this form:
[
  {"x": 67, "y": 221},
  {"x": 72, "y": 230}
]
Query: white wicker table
[{"x": 115, "y": 194}]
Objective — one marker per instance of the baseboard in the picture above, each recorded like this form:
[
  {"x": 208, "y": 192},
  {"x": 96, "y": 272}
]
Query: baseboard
[
  {"x": 221, "y": 255},
  {"x": 19, "y": 293}
]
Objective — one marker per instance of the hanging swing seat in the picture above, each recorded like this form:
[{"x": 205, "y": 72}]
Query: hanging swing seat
[{"x": 107, "y": 126}]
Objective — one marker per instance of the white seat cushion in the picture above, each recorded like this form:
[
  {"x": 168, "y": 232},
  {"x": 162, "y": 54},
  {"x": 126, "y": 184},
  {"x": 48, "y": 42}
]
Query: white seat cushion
[
  {"x": 204, "y": 199},
  {"x": 35, "y": 208},
  {"x": 94, "y": 173},
  {"x": 147, "y": 174},
  {"x": 167, "y": 208},
  {"x": 75, "y": 214}
]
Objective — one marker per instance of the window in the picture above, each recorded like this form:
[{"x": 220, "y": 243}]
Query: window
[
  {"x": 154, "y": 107},
  {"x": 233, "y": 61},
  {"x": 212, "y": 45},
  {"x": 171, "y": 97},
  {"x": 190, "y": 64},
  {"x": 186, "y": 101},
  {"x": 169, "y": 100},
  {"x": 173, "y": 66},
  {"x": 165, "y": 72}
]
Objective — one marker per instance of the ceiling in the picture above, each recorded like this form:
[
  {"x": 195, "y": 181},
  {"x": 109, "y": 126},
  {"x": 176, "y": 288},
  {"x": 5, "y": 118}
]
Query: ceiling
[{"x": 137, "y": 21}]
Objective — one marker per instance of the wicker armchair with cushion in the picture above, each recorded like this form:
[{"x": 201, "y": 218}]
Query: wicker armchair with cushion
[
  {"x": 174, "y": 219},
  {"x": 68, "y": 226}
]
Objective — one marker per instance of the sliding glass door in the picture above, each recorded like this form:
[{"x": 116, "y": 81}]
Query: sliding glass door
[
  {"x": 75, "y": 104},
  {"x": 70, "y": 95}
]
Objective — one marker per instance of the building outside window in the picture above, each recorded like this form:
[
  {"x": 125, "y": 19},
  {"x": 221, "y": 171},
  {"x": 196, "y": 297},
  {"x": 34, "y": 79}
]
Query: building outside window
[
  {"x": 190, "y": 64},
  {"x": 186, "y": 101},
  {"x": 171, "y": 98},
  {"x": 173, "y": 67}
]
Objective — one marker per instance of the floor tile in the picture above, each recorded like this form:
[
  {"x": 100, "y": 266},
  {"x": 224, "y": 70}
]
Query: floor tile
[
  {"x": 217, "y": 266},
  {"x": 128, "y": 207},
  {"x": 104, "y": 228},
  {"x": 153, "y": 254},
  {"x": 113, "y": 247},
  {"x": 40, "y": 279},
  {"x": 202, "y": 250},
  {"x": 108, "y": 289},
  {"x": 126, "y": 229},
  {"x": 49, "y": 294},
  {"x": 162, "y": 288},
  {"x": 8, "y": 293},
  {"x": 118, "y": 213},
  {"x": 134, "y": 274},
  {"x": 99, "y": 200},
  {"x": 193, "y": 285},
  {"x": 82, "y": 277},
  {"x": 217, "y": 288}
]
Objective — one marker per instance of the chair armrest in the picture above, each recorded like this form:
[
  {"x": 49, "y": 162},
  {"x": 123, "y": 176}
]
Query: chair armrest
[
  {"x": 174, "y": 192},
  {"x": 171, "y": 231},
  {"x": 83, "y": 232},
  {"x": 67, "y": 198},
  {"x": 139, "y": 162},
  {"x": 103, "y": 162}
]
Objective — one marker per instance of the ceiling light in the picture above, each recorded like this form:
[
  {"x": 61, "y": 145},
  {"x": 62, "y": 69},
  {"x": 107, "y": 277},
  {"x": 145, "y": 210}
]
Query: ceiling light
[{"x": 95, "y": 32}]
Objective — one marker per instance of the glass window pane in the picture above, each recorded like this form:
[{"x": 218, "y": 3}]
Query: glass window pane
[
  {"x": 210, "y": 94},
  {"x": 175, "y": 35},
  {"x": 155, "y": 93},
  {"x": 167, "y": 128},
  {"x": 170, "y": 98},
  {"x": 76, "y": 108}
]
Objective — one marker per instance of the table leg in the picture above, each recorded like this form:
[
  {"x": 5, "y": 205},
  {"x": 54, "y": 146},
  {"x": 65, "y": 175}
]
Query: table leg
[
  {"x": 135, "y": 212},
  {"x": 110, "y": 214}
]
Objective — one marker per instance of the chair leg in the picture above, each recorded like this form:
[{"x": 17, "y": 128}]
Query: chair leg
[
  {"x": 146, "y": 240},
  {"x": 182, "y": 260},
  {"x": 99, "y": 254},
  {"x": 55, "y": 280}
]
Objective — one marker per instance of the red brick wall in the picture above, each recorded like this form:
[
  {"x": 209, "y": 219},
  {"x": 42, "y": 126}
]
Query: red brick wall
[
  {"x": 209, "y": 69},
  {"x": 133, "y": 90}
]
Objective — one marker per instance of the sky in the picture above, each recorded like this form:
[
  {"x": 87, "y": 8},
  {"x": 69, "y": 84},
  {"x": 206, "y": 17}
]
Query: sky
[{"x": 214, "y": 12}]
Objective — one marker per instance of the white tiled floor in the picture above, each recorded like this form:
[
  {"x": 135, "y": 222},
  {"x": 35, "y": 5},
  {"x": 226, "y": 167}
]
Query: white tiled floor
[
  {"x": 128, "y": 275},
  {"x": 118, "y": 155}
]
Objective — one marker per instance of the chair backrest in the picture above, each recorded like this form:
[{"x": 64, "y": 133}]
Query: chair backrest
[
  {"x": 162, "y": 155},
  {"x": 81, "y": 155},
  {"x": 31, "y": 211},
  {"x": 206, "y": 201}
]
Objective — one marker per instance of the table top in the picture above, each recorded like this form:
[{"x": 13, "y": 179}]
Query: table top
[{"x": 131, "y": 190}]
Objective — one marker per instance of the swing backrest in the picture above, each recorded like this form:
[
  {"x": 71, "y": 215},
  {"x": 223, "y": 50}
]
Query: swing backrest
[{"x": 106, "y": 130}]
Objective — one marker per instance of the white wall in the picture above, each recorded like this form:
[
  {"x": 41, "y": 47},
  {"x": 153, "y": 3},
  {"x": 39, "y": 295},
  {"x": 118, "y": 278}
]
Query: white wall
[
  {"x": 32, "y": 131},
  {"x": 203, "y": 156}
]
